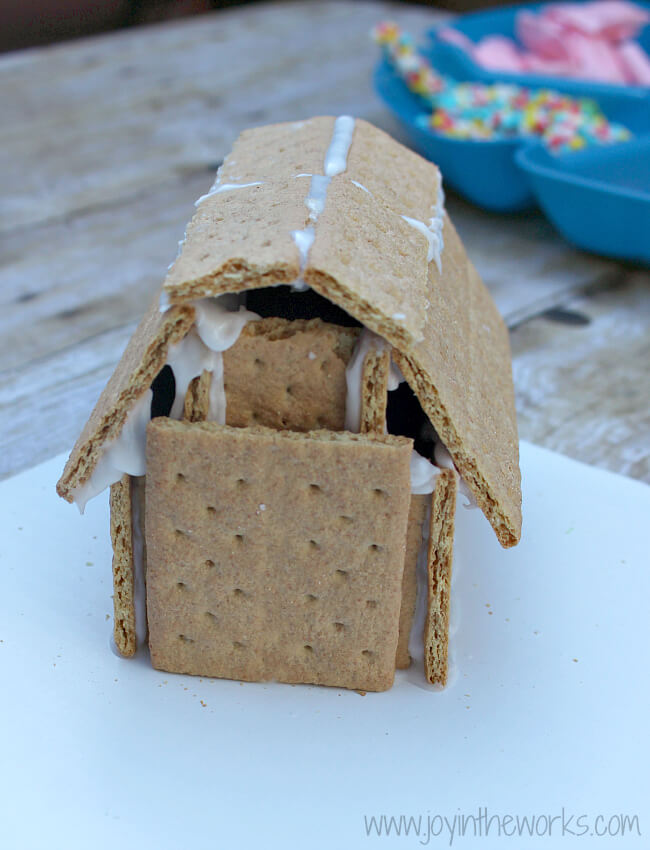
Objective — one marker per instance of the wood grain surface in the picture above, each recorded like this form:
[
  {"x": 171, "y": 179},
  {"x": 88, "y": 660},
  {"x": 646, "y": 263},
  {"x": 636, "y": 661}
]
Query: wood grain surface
[{"x": 105, "y": 144}]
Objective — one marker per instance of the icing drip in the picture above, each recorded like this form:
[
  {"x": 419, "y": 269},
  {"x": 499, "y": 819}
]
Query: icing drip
[
  {"x": 335, "y": 163},
  {"x": 123, "y": 455},
  {"x": 416, "y": 636},
  {"x": 445, "y": 461},
  {"x": 219, "y": 322},
  {"x": 218, "y": 325},
  {"x": 423, "y": 475},
  {"x": 217, "y": 188},
  {"x": 315, "y": 200},
  {"x": 433, "y": 231},
  {"x": 395, "y": 377},
  {"x": 353, "y": 377},
  {"x": 187, "y": 359},
  {"x": 336, "y": 158}
]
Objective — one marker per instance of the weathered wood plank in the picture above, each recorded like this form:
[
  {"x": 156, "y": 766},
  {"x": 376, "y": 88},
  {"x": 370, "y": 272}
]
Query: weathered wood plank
[
  {"x": 44, "y": 406},
  {"x": 64, "y": 282},
  {"x": 108, "y": 117},
  {"x": 584, "y": 389}
]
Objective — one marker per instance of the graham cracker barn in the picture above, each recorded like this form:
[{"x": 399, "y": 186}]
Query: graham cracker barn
[{"x": 287, "y": 429}]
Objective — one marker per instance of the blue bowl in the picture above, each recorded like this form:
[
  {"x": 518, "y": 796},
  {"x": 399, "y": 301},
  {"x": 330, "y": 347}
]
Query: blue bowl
[
  {"x": 486, "y": 172},
  {"x": 598, "y": 199},
  {"x": 502, "y": 22}
]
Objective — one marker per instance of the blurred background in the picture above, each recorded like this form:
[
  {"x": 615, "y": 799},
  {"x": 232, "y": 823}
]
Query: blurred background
[{"x": 37, "y": 22}]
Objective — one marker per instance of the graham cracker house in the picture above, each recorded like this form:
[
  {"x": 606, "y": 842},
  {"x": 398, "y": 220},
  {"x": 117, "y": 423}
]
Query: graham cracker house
[{"x": 286, "y": 432}]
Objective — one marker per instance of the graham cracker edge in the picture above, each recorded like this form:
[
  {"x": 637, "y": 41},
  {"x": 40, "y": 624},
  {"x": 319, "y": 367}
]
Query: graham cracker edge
[
  {"x": 121, "y": 523},
  {"x": 374, "y": 391},
  {"x": 439, "y": 566},
  {"x": 507, "y": 531},
  {"x": 143, "y": 358}
]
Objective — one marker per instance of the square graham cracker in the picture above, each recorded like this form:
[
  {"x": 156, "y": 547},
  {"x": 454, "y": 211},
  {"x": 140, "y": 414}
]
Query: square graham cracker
[
  {"x": 275, "y": 555},
  {"x": 288, "y": 375}
]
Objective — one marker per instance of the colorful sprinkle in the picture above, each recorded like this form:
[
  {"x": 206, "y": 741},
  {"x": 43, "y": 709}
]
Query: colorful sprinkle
[{"x": 498, "y": 111}]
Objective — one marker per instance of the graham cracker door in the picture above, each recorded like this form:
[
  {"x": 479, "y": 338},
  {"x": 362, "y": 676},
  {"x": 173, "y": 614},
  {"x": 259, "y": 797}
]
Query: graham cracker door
[{"x": 275, "y": 555}]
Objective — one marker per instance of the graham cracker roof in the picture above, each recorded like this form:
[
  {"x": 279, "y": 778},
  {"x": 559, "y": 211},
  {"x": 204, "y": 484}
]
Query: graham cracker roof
[{"x": 448, "y": 338}]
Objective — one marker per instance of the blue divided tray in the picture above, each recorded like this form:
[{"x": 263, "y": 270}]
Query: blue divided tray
[
  {"x": 581, "y": 192},
  {"x": 599, "y": 199}
]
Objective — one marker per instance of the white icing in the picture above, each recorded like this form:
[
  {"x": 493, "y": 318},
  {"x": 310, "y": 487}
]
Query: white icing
[
  {"x": 125, "y": 454},
  {"x": 437, "y": 221},
  {"x": 395, "y": 377},
  {"x": 219, "y": 324},
  {"x": 217, "y": 328},
  {"x": 429, "y": 235},
  {"x": 353, "y": 377},
  {"x": 179, "y": 251},
  {"x": 315, "y": 200},
  {"x": 164, "y": 303},
  {"x": 217, "y": 188},
  {"x": 445, "y": 461},
  {"x": 187, "y": 359},
  {"x": 399, "y": 317},
  {"x": 416, "y": 636},
  {"x": 299, "y": 285},
  {"x": 335, "y": 163},
  {"x": 423, "y": 475},
  {"x": 336, "y": 158},
  {"x": 433, "y": 231},
  {"x": 304, "y": 239},
  {"x": 361, "y": 186}
]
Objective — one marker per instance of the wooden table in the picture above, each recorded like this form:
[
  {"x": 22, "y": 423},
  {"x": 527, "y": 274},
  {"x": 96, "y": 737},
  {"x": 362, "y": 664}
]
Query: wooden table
[{"x": 105, "y": 144}]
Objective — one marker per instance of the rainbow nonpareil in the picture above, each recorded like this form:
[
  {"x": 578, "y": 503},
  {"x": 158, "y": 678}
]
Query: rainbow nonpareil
[{"x": 483, "y": 112}]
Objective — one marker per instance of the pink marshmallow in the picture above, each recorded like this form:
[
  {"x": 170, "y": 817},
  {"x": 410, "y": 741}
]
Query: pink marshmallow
[
  {"x": 456, "y": 37},
  {"x": 594, "y": 59},
  {"x": 541, "y": 35},
  {"x": 551, "y": 67},
  {"x": 579, "y": 40},
  {"x": 635, "y": 63},
  {"x": 498, "y": 54},
  {"x": 613, "y": 20}
]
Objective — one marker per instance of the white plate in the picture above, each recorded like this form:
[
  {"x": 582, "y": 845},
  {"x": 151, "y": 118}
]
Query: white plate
[{"x": 549, "y": 711}]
